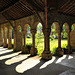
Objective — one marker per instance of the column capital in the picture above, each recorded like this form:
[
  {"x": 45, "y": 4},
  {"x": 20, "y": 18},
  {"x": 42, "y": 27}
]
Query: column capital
[
  {"x": 46, "y": 31},
  {"x": 33, "y": 31}
]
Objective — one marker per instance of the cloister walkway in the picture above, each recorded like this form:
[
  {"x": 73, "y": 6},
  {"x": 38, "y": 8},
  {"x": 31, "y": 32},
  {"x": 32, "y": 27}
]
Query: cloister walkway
[{"x": 15, "y": 63}]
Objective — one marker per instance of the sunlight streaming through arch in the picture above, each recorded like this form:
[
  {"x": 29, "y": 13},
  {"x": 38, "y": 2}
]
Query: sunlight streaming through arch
[
  {"x": 48, "y": 63},
  {"x": 16, "y": 59},
  {"x": 28, "y": 64},
  {"x": 61, "y": 58}
]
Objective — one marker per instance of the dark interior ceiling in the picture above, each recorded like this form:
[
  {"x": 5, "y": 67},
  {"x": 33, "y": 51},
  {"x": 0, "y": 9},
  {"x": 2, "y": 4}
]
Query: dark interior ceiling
[{"x": 16, "y": 9}]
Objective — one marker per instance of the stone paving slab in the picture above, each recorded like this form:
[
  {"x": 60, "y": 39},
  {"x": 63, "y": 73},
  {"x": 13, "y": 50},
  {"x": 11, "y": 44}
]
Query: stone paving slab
[
  {"x": 69, "y": 61},
  {"x": 69, "y": 72}
]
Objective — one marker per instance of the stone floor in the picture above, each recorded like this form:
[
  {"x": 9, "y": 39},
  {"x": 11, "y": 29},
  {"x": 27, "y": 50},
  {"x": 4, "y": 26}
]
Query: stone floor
[{"x": 15, "y": 63}]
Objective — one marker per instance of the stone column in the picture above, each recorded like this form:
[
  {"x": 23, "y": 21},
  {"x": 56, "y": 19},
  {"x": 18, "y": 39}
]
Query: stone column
[
  {"x": 1, "y": 37},
  {"x": 5, "y": 36},
  {"x": 33, "y": 50},
  {"x": 17, "y": 39},
  {"x": 69, "y": 49},
  {"x": 47, "y": 53},
  {"x": 59, "y": 39},
  {"x": 59, "y": 51},
  {"x": 9, "y": 37},
  {"x": 25, "y": 49}
]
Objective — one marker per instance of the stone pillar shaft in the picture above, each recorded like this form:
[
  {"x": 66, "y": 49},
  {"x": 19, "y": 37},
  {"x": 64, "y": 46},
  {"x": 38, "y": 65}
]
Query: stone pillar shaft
[
  {"x": 59, "y": 39},
  {"x": 1, "y": 38},
  {"x": 33, "y": 39},
  {"x": 5, "y": 36},
  {"x": 17, "y": 40},
  {"x": 68, "y": 38},
  {"x": 9, "y": 37},
  {"x": 33, "y": 50},
  {"x": 24, "y": 39},
  {"x": 46, "y": 53},
  {"x": 46, "y": 40},
  {"x": 33, "y": 31}
]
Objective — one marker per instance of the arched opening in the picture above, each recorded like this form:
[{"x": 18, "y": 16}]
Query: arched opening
[
  {"x": 39, "y": 39},
  {"x": 27, "y": 39},
  {"x": 28, "y": 35},
  {"x": 56, "y": 43},
  {"x": 54, "y": 37},
  {"x": 72, "y": 28},
  {"x": 64, "y": 35}
]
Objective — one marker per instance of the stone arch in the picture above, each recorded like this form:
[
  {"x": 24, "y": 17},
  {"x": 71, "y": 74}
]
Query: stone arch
[
  {"x": 57, "y": 26},
  {"x": 34, "y": 26},
  {"x": 59, "y": 51},
  {"x": 72, "y": 38},
  {"x": 66, "y": 27}
]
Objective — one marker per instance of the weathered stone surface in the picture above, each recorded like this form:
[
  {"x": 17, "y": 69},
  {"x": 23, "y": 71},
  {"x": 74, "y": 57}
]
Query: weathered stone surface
[
  {"x": 47, "y": 55},
  {"x": 1, "y": 36},
  {"x": 25, "y": 50},
  {"x": 72, "y": 38},
  {"x": 33, "y": 51},
  {"x": 17, "y": 40},
  {"x": 9, "y": 37},
  {"x": 5, "y": 36},
  {"x": 59, "y": 52}
]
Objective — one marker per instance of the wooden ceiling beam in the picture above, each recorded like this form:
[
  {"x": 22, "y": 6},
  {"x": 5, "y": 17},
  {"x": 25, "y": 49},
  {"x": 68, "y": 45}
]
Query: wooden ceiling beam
[
  {"x": 10, "y": 7},
  {"x": 71, "y": 6},
  {"x": 72, "y": 9},
  {"x": 67, "y": 6},
  {"x": 25, "y": 6}
]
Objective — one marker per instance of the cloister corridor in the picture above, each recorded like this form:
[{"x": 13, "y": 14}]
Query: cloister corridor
[{"x": 15, "y": 63}]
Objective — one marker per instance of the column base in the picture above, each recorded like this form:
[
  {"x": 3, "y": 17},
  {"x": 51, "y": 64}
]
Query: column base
[
  {"x": 59, "y": 52},
  {"x": 25, "y": 50},
  {"x": 1, "y": 45},
  {"x": 6, "y": 46},
  {"x": 16, "y": 50},
  {"x": 33, "y": 51},
  {"x": 47, "y": 55},
  {"x": 68, "y": 50},
  {"x": 10, "y": 47}
]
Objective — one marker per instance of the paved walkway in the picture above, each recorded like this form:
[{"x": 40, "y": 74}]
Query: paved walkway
[{"x": 15, "y": 63}]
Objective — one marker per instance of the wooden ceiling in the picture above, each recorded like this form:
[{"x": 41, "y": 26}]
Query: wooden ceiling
[{"x": 16, "y": 9}]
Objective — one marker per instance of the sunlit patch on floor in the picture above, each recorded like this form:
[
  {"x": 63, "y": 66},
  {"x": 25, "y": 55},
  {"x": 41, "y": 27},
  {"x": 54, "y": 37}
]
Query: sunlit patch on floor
[
  {"x": 61, "y": 58},
  {"x": 16, "y": 59},
  {"x": 48, "y": 63},
  {"x": 6, "y": 51},
  {"x": 9, "y": 55},
  {"x": 2, "y": 49},
  {"x": 70, "y": 57},
  {"x": 28, "y": 64}
]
